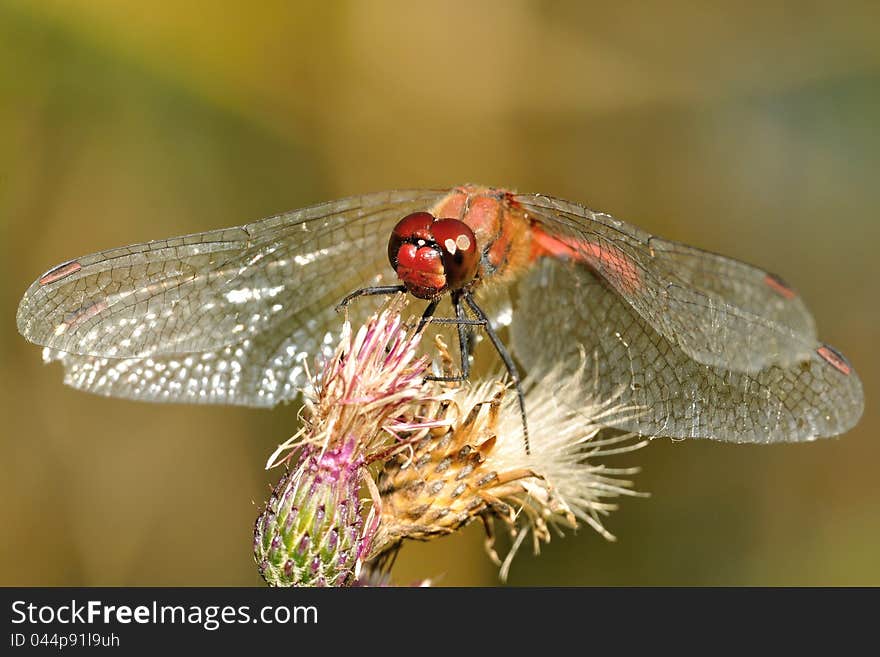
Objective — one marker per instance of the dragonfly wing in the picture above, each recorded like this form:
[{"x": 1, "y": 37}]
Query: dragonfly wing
[
  {"x": 245, "y": 340},
  {"x": 736, "y": 283},
  {"x": 675, "y": 394},
  {"x": 718, "y": 311},
  {"x": 260, "y": 371},
  {"x": 202, "y": 292}
]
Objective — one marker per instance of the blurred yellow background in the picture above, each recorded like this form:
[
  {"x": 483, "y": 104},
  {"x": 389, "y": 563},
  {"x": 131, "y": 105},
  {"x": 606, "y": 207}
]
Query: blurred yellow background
[{"x": 751, "y": 130}]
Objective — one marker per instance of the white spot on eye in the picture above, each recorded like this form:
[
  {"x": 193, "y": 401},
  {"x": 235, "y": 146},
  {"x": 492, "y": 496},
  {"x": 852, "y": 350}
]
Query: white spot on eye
[
  {"x": 463, "y": 242},
  {"x": 450, "y": 245},
  {"x": 420, "y": 243}
]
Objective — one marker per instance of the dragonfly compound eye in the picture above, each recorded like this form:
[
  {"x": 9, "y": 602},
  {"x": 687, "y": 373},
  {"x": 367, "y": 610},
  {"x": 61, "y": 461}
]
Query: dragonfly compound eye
[
  {"x": 413, "y": 227},
  {"x": 459, "y": 248}
]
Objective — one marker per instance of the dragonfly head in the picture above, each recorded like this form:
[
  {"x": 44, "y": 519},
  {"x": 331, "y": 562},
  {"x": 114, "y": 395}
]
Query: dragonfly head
[{"x": 433, "y": 256}]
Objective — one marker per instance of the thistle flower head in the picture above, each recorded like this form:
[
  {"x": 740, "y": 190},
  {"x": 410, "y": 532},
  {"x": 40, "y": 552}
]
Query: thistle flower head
[
  {"x": 478, "y": 467},
  {"x": 368, "y": 390},
  {"x": 445, "y": 454},
  {"x": 312, "y": 532}
]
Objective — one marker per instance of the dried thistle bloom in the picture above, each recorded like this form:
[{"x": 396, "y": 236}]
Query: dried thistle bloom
[
  {"x": 479, "y": 468},
  {"x": 445, "y": 453}
]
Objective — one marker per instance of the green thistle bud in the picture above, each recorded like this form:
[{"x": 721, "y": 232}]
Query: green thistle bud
[{"x": 311, "y": 532}]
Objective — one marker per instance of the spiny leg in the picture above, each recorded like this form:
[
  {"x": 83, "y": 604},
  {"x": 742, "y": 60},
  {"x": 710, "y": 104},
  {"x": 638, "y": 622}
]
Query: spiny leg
[
  {"x": 508, "y": 363},
  {"x": 464, "y": 343},
  {"x": 370, "y": 291},
  {"x": 428, "y": 314},
  {"x": 462, "y": 322}
]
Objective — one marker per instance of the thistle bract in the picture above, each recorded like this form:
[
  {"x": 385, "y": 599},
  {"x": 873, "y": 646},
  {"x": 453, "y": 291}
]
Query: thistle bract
[{"x": 311, "y": 531}]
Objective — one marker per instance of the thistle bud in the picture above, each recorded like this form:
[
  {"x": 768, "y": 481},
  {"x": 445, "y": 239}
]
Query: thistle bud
[{"x": 311, "y": 532}]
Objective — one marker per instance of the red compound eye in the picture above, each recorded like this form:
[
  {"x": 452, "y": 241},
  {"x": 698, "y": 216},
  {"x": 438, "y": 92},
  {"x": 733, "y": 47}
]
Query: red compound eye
[
  {"x": 413, "y": 227},
  {"x": 459, "y": 248}
]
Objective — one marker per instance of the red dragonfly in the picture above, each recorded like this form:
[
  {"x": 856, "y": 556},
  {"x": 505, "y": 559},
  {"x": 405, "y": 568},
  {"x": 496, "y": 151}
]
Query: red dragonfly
[{"x": 705, "y": 346}]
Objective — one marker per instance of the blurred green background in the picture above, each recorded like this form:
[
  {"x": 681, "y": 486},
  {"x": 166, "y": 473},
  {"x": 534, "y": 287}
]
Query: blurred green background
[{"x": 751, "y": 130}]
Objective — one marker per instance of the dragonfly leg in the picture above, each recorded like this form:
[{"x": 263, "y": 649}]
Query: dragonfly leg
[
  {"x": 508, "y": 363},
  {"x": 464, "y": 342},
  {"x": 428, "y": 314},
  {"x": 370, "y": 291},
  {"x": 462, "y": 321}
]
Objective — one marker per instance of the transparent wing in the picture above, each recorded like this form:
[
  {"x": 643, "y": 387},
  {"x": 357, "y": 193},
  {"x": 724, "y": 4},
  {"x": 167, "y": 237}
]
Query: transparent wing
[
  {"x": 201, "y": 292},
  {"x": 718, "y": 311},
  {"x": 563, "y": 306},
  {"x": 260, "y": 372},
  {"x": 738, "y": 284},
  {"x": 226, "y": 316}
]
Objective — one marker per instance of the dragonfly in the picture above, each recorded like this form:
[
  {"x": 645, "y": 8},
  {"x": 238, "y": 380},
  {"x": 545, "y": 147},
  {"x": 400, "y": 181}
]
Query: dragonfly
[{"x": 703, "y": 345}]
